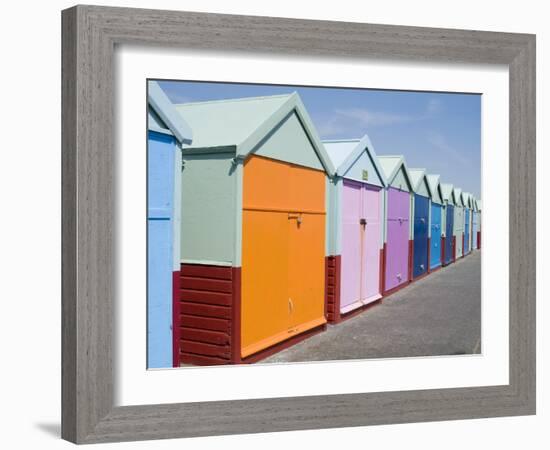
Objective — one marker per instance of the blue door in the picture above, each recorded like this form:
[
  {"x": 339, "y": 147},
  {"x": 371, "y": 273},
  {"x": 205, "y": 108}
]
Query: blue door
[
  {"x": 449, "y": 221},
  {"x": 420, "y": 244},
  {"x": 435, "y": 241},
  {"x": 466, "y": 231},
  {"x": 160, "y": 207}
]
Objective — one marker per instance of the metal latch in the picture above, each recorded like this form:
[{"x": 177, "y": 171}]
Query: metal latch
[
  {"x": 298, "y": 218},
  {"x": 363, "y": 222}
]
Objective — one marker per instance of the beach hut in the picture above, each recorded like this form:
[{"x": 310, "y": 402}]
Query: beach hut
[
  {"x": 447, "y": 193},
  {"x": 356, "y": 211},
  {"x": 474, "y": 223},
  {"x": 167, "y": 133},
  {"x": 458, "y": 225},
  {"x": 397, "y": 235},
  {"x": 253, "y": 229},
  {"x": 467, "y": 222},
  {"x": 421, "y": 223},
  {"x": 479, "y": 213},
  {"x": 435, "y": 238}
]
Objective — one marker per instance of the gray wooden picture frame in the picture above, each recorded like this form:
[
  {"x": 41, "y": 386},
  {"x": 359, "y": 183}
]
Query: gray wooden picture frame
[{"x": 90, "y": 34}]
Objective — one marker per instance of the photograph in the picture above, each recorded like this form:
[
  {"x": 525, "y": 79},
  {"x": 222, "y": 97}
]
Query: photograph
[{"x": 291, "y": 224}]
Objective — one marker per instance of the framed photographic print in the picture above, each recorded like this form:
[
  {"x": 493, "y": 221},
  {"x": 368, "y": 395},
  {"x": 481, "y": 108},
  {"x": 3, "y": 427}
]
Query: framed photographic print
[{"x": 267, "y": 230}]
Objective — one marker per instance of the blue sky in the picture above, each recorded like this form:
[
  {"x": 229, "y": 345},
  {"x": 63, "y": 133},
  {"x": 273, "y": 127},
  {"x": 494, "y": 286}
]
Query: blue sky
[{"x": 437, "y": 131}]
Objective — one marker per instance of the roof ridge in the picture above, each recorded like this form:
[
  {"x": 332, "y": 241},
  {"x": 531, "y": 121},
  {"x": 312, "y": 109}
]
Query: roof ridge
[
  {"x": 239, "y": 99},
  {"x": 331, "y": 141}
]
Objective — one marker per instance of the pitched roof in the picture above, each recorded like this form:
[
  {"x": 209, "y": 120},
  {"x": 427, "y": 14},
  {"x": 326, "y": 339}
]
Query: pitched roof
[
  {"x": 344, "y": 153},
  {"x": 457, "y": 192},
  {"x": 243, "y": 122},
  {"x": 447, "y": 192},
  {"x": 163, "y": 117},
  {"x": 339, "y": 150},
  {"x": 434, "y": 183},
  {"x": 391, "y": 164},
  {"x": 417, "y": 176}
]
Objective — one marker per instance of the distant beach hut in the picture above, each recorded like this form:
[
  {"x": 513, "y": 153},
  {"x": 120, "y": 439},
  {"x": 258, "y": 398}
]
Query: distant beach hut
[
  {"x": 421, "y": 224},
  {"x": 398, "y": 233},
  {"x": 356, "y": 213},
  {"x": 435, "y": 238},
  {"x": 458, "y": 226},
  {"x": 474, "y": 223},
  {"x": 467, "y": 222},
  {"x": 447, "y": 193}
]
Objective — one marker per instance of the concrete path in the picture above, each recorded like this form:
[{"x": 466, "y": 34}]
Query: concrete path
[{"x": 437, "y": 315}]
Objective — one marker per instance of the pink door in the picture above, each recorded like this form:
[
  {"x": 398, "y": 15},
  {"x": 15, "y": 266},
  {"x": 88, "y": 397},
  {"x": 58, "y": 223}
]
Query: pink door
[
  {"x": 351, "y": 247},
  {"x": 370, "y": 289},
  {"x": 361, "y": 224}
]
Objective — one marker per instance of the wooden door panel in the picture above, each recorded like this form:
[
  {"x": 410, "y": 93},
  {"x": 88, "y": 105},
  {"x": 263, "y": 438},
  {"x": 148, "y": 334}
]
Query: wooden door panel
[
  {"x": 351, "y": 245},
  {"x": 306, "y": 272},
  {"x": 264, "y": 289},
  {"x": 370, "y": 277}
]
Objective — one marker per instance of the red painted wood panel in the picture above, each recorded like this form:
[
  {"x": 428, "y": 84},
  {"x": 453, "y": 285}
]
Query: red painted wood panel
[
  {"x": 332, "y": 288},
  {"x": 200, "y": 360},
  {"x": 197, "y": 309},
  {"x": 206, "y": 321},
  {"x": 202, "y": 271},
  {"x": 212, "y": 298},
  {"x": 236, "y": 317},
  {"x": 204, "y": 349},
  {"x": 206, "y": 284},
  {"x": 212, "y": 337}
]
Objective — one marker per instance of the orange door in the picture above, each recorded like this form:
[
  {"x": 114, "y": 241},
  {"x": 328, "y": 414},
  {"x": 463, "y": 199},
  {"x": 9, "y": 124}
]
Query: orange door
[
  {"x": 306, "y": 272},
  {"x": 283, "y": 252}
]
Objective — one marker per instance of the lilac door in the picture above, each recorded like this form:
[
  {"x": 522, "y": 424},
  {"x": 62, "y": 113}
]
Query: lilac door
[
  {"x": 350, "y": 292},
  {"x": 397, "y": 238},
  {"x": 370, "y": 289},
  {"x": 360, "y": 272}
]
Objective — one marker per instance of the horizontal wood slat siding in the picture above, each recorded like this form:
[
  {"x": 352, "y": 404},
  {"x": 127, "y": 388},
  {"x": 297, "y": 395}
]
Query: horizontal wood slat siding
[
  {"x": 332, "y": 288},
  {"x": 205, "y": 321}
]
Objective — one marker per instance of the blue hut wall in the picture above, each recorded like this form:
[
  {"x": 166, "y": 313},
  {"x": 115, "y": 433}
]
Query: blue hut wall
[
  {"x": 420, "y": 244},
  {"x": 435, "y": 239},
  {"x": 449, "y": 220},
  {"x": 466, "y": 231},
  {"x": 160, "y": 254}
]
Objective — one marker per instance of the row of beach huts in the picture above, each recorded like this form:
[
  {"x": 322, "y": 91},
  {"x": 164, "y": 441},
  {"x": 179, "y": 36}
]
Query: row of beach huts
[{"x": 259, "y": 233}]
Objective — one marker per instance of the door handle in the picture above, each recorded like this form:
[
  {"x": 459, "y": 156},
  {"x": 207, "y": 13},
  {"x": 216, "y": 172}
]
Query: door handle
[
  {"x": 298, "y": 218},
  {"x": 290, "y": 306},
  {"x": 363, "y": 222}
]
